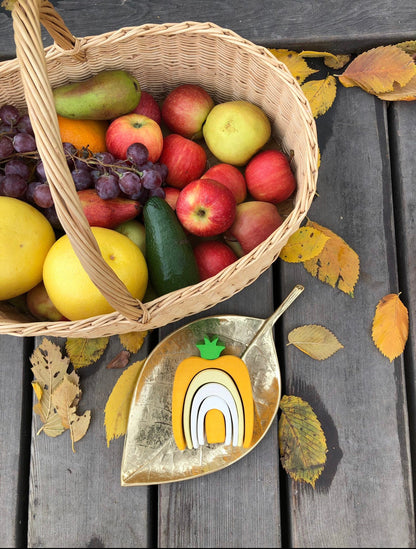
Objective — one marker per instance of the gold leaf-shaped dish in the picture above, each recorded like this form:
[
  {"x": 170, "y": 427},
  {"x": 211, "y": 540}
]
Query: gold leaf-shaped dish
[{"x": 150, "y": 453}]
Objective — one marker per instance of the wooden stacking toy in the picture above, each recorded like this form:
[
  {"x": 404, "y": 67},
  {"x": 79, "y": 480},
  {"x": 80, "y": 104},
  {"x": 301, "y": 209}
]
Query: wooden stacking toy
[{"x": 212, "y": 401}]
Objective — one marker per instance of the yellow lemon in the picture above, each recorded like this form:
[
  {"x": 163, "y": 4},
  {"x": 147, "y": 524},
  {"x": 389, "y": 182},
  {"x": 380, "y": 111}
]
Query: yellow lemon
[
  {"x": 69, "y": 286},
  {"x": 25, "y": 238}
]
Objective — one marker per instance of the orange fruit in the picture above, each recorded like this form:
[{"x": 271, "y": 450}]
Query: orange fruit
[{"x": 83, "y": 133}]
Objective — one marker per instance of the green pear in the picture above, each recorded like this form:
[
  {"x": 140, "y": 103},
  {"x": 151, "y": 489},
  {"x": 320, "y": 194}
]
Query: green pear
[
  {"x": 235, "y": 130},
  {"x": 107, "y": 95}
]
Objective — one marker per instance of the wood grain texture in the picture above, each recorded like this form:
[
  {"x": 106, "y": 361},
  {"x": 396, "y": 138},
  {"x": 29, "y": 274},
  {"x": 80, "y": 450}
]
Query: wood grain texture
[
  {"x": 13, "y": 361},
  {"x": 76, "y": 499},
  {"x": 364, "y": 496},
  {"x": 238, "y": 506},
  {"x": 339, "y": 26}
]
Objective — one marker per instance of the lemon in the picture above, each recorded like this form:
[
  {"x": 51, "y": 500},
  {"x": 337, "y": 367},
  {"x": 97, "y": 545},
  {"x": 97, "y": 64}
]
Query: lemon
[
  {"x": 69, "y": 286},
  {"x": 25, "y": 238}
]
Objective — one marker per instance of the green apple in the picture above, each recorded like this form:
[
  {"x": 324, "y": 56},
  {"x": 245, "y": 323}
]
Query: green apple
[
  {"x": 134, "y": 230},
  {"x": 235, "y": 130}
]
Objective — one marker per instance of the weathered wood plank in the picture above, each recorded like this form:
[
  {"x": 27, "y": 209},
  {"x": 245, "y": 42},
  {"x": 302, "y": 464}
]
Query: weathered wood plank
[
  {"x": 238, "y": 506},
  {"x": 364, "y": 496},
  {"x": 14, "y": 393},
  {"x": 76, "y": 499},
  {"x": 338, "y": 26},
  {"x": 402, "y": 124}
]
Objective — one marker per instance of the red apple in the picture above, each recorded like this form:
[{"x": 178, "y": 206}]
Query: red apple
[
  {"x": 149, "y": 107},
  {"x": 185, "y": 160},
  {"x": 134, "y": 128},
  {"x": 205, "y": 207},
  {"x": 185, "y": 110},
  {"x": 40, "y": 305},
  {"x": 231, "y": 177},
  {"x": 212, "y": 256},
  {"x": 269, "y": 177},
  {"x": 254, "y": 222},
  {"x": 171, "y": 196}
]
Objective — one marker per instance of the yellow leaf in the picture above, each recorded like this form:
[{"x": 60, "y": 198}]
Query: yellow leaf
[
  {"x": 401, "y": 93},
  {"x": 295, "y": 63},
  {"x": 37, "y": 390},
  {"x": 377, "y": 70},
  {"x": 330, "y": 60},
  {"x": 409, "y": 47},
  {"x": 315, "y": 341},
  {"x": 132, "y": 341},
  {"x": 320, "y": 94},
  {"x": 337, "y": 265},
  {"x": 390, "y": 326},
  {"x": 118, "y": 403},
  {"x": 83, "y": 351},
  {"x": 8, "y": 4},
  {"x": 78, "y": 426},
  {"x": 63, "y": 399},
  {"x": 302, "y": 441},
  {"x": 302, "y": 245}
]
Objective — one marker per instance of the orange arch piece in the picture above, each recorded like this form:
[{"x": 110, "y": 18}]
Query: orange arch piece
[{"x": 214, "y": 427}]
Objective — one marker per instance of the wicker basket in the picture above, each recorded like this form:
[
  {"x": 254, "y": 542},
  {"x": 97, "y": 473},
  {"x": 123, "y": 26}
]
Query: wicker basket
[{"x": 160, "y": 56}]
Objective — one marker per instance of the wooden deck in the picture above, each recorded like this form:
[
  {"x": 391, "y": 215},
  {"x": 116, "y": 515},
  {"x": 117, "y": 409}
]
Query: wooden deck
[{"x": 51, "y": 497}]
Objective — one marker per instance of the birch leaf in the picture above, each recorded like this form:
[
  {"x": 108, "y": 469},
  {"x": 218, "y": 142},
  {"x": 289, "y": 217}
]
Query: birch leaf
[
  {"x": 302, "y": 442},
  {"x": 320, "y": 94},
  {"x": 295, "y": 63},
  {"x": 330, "y": 60},
  {"x": 390, "y": 328},
  {"x": 315, "y": 341},
  {"x": 49, "y": 368},
  {"x": 78, "y": 425},
  {"x": 118, "y": 404},
  {"x": 337, "y": 265},
  {"x": 304, "y": 244},
  {"x": 63, "y": 399},
  {"x": 401, "y": 93},
  {"x": 377, "y": 70},
  {"x": 133, "y": 341},
  {"x": 409, "y": 47},
  {"x": 84, "y": 351}
]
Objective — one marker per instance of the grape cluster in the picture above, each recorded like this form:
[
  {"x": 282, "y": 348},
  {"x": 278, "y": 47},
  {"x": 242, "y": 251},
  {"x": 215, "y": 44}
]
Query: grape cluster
[{"x": 22, "y": 174}]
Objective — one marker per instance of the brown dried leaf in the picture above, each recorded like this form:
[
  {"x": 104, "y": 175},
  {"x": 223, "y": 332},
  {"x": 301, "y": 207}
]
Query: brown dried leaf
[
  {"x": 302, "y": 441},
  {"x": 304, "y": 244},
  {"x": 337, "y": 265},
  {"x": 119, "y": 361},
  {"x": 379, "y": 69},
  {"x": 390, "y": 328},
  {"x": 320, "y": 94},
  {"x": 83, "y": 351},
  {"x": 295, "y": 63},
  {"x": 316, "y": 341},
  {"x": 133, "y": 341}
]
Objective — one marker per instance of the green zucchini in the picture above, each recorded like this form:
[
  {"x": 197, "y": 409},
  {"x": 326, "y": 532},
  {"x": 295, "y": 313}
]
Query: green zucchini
[{"x": 169, "y": 254}]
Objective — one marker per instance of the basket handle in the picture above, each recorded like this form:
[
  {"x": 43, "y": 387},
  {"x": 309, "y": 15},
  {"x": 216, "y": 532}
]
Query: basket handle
[
  {"x": 41, "y": 109},
  {"x": 56, "y": 27}
]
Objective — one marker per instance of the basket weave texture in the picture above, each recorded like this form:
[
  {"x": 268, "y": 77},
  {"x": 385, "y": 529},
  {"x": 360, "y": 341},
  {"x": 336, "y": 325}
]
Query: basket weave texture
[{"x": 160, "y": 56}]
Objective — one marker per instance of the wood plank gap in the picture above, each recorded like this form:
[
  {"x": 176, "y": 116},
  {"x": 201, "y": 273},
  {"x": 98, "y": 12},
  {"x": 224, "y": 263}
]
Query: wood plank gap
[{"x": 25, "y": 445}]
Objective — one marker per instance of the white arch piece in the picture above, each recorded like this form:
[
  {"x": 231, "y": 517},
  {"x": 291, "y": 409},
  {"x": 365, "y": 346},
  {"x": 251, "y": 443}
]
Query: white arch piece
[
  {"x": 203, "y": 402},
  {"x": 212, "y": 375}
]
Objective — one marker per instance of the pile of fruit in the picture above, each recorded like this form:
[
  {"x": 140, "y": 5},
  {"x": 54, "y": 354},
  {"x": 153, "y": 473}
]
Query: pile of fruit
[{"x": 174, "y": 192}]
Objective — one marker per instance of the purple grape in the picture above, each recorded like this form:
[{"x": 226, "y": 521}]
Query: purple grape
[
  {"x": 95, "y": 175},
  {"x": 137, "y": 153},
  {"x": 24, "y": 142},
  {"x": 9, "y": 114},
  {"x": 30, "y": 189},
  {"x": 17, "y": 166},
  {"x": 82, "y": 178},
  {"x": 24, "y": 125},
  {"x": 14, "y": 186},
  {"x": 151, "y": 179},
  {"x": 1, "y": 185},
  {"x": 162, "y": 169},
  {"x": 6, "y": 147},
  {"x": 104, "y": 157},
  {"x": 52, "y": 217},
  {"x": 159, "y": 191},
  {"x": 8, "y": 130},
  {"x": 40, "y": 170},
  {"x": 107, "y": 186},
  {"x": 69, "y": 149},
  {"x": 42, "y": 196},
  {"x": 130, "y": 184}
]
